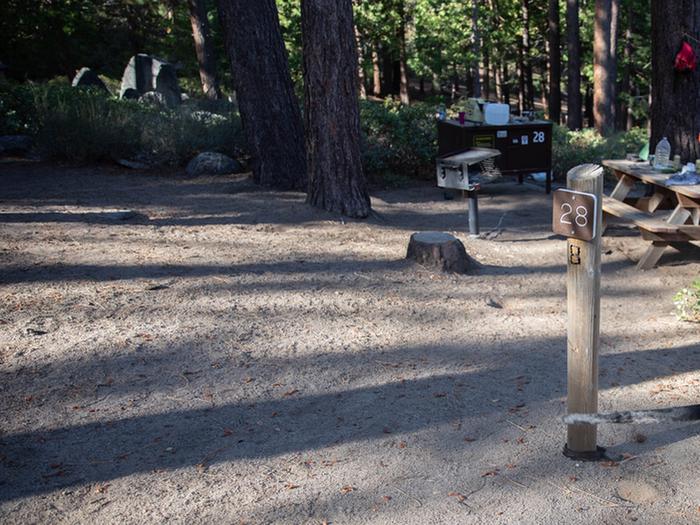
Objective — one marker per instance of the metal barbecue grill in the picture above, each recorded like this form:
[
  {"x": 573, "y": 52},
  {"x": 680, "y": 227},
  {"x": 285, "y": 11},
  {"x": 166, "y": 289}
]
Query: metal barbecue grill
[{"x": 467, "y": 170}]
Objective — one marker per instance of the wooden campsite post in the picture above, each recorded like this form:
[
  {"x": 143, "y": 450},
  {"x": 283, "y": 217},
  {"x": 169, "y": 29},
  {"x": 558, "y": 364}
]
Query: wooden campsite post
[{"x": 578, "y": 215}]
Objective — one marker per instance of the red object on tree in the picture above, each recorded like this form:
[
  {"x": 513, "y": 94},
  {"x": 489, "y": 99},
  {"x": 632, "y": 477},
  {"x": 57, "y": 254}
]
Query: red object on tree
[{"x": 685, "y": 59}]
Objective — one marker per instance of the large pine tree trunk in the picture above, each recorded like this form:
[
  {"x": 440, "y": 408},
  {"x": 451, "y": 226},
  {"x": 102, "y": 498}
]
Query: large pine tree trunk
[
  {"x": 602, "y": 68},
  {"x": 203, "y": 48},
  {"x": 269, "y": 109},
  {"x": 675, "y": 109},
  {"x": 336, "y": 180},
  {"x": 573, "y": 87},
  {"x": 554, "y": 104}
]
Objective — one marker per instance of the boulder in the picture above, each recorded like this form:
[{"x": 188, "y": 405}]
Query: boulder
[
  {"x": 87, "y": 78},
  {"x": 210, "y": 163},
  {"x": 153, "y": 98},
  {"x": 145, "y": 73},
  {"x": 441, "y": 251},
  {"x": 15, "y": 145}
]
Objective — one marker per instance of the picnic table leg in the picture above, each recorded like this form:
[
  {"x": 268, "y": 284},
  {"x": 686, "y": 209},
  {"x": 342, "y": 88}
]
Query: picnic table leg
[
  {"x": 654, "y": 252},
  {"x": 625, "y": 183},
  {"x": 696, "y": 216}
]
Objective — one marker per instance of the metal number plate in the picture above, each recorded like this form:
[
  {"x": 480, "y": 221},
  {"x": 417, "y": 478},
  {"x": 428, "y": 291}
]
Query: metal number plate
[{"x": 574, "y": 214}]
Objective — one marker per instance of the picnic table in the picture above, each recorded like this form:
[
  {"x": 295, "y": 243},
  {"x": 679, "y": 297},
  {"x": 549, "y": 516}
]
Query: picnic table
[{"x": 677, "y": 230}]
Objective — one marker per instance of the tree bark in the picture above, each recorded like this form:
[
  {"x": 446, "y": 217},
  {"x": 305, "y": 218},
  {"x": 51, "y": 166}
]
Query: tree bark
[
  {"x": 269, "y": 109},
  {"x": 554, "y": 103},
  {"x": 573, "y": 88},
  {"x": 203, "y": 48},
  {"x": 476, "y": 50},
  {"x": 675, "y": 109},
  {"x": 336, "y": 180},
  {"x": 602, "y": 72}
]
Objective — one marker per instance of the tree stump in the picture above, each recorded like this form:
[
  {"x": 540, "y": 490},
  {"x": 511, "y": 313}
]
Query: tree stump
[{"x": 440, "y": 250}]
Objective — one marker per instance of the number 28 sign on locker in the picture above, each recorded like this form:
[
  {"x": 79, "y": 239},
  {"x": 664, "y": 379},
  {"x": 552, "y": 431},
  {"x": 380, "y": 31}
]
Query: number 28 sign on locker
[{"x": 574, "y": 214}]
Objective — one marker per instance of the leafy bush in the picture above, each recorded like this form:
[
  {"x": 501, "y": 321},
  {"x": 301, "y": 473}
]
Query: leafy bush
[
  {"x": 687, "y": 303},
  {"x": 87, "y": 125},
  {"x": 398, "y": 139},
  {"x": 571, "y": 148}
]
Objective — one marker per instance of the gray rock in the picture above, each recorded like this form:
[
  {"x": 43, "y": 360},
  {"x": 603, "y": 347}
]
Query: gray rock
[
  {"x": 87, "y": 78},
  {"x": 15, "y": 145},
  {"x": 145, "y": 73},
  {"x": 210, "y": 163},
  {"x": 153, "y": 98}
]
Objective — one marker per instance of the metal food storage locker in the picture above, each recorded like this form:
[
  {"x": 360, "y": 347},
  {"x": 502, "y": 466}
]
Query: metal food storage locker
[{"x": 526, "y": 147}]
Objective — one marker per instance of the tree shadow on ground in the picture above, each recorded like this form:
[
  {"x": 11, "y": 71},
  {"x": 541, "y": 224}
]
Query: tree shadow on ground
[{"x": 42, "y": 460}]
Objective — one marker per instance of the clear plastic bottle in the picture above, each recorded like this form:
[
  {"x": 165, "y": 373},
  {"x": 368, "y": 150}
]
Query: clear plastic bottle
[{"x": 662, "y": 154}]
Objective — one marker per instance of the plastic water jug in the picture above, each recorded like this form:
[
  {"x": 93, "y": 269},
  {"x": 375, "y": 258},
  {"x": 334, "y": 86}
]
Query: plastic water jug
[{"x": 662, "y": 154}]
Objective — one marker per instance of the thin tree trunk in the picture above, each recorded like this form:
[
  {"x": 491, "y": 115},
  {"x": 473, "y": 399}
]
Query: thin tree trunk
[
  {"x": 387, "y": 70},
  {"x": 203, "y": 48},
  {"x": 614, "y": 23},
  {"x": 522, "y": 100},
  {"x": 530, "y": 97},
  {"x": 498, "y": 79},
  {"x": 455, "y": 81},
  {"x": 602, "y": 72},
  {"x": 544, "y": 92},
  {"x": 336, "y": 180},
  {"x": 486, "y": 87},
  {"x": 476, "y": 50},
  {"x": 505, "y": 84},
  {"x": 590, "y": 114},
  {"x": 554, "y": 103},
  {"x": 573, "y": 88},
  {"x": 403, "y": 67},
  {"x": 376, "y": 78},
  {"x": 675, "y": 111},
  {"x": 435, "y": 84},
  {"x": 623, "y": 107},
  {"x": 360, "y": 69},
  {"x": 269, "y": 109}
]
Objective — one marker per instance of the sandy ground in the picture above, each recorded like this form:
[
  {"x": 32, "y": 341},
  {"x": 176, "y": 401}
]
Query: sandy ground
[{"x": 230, "y": 355}]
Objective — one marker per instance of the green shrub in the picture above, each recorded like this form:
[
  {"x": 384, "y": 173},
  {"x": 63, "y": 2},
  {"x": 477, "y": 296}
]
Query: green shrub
[
  {"x": 88, "y": 125},
  {"x": 571, "y": 148},
  {"x": 687, "y": 303},
  {"x": 398, "y": 139}
]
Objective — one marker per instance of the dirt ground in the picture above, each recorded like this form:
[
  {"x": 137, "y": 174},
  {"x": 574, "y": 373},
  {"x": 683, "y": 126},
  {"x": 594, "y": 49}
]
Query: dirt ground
[{"x": 229, "y": 355}]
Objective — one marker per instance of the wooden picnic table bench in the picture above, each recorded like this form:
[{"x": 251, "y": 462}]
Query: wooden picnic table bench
[{"x": 671, "y": 231}]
